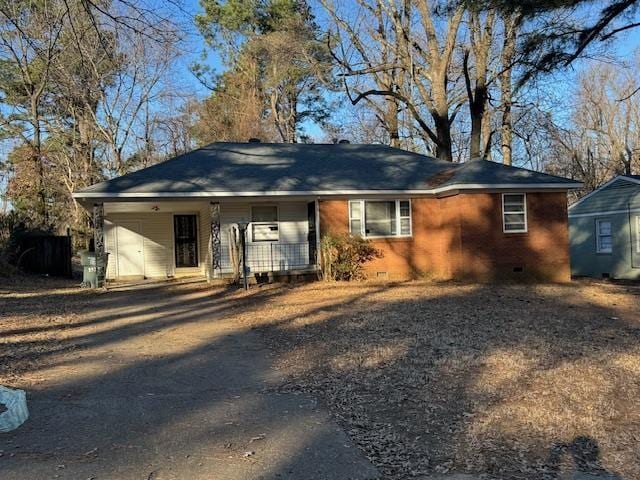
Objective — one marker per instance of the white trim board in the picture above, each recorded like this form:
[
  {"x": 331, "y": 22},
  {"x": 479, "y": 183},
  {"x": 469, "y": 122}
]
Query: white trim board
[
  {"x": 605, "y": 212},
  {"x": 284, "y": 193}
]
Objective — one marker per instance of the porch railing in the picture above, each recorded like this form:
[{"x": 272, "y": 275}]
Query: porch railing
[{"x": 272, "y": 257}]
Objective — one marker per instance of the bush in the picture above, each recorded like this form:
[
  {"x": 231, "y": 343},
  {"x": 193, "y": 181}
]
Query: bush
[{"x": 343, "y": 256}]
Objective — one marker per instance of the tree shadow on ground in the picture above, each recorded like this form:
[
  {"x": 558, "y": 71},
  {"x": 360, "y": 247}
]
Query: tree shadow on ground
[
  {"x": 584, "y": 457},
  {"x": 117, "y": 403},
  {"x": 425, "y": 378}
]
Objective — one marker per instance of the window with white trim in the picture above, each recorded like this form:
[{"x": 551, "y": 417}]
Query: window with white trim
[
  {"x": 514, "y": 212},
  {"x": 264, "y": 223},
  {"x": 380, "y": 218},
  {"x": 604, "y": 238}
]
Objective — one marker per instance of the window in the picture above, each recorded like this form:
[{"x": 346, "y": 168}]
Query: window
[
  {"x": 185, "y": 230},
  {"x": 514, "y": 212},
  {"x": 638, "y": 234},
  {"x": 264, "y": 223},
  {"x": 378, "y": 218},
  {"x": 604, "y": 240},
  {"x": 355, "y": 217}
]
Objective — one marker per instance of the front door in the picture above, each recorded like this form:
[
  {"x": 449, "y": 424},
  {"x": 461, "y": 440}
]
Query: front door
[
  {"x": 186, "y": 240},
  {"x": 129, "y": 247}
]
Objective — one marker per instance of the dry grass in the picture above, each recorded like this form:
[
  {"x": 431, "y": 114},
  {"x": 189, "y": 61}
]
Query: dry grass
[
  {"x": 35, "y": 313},
  {"x": 510, "y": 381}
]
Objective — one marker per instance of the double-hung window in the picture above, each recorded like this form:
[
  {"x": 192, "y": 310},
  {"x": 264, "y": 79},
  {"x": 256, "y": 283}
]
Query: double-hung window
[
  {"x": 604, "y": 239},
  {"x": 514, "y": 212},
  {"x": 264, "y": 223},
  {"x": 380, "y": 218}
]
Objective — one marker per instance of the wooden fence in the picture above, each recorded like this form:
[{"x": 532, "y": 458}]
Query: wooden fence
[{"x": 46, "y": 254}]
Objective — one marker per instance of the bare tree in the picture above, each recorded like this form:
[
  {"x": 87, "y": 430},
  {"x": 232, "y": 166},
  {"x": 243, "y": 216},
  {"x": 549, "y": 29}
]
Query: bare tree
[
  {"x": 602, "y": 137},
  {"x": 511, "y": 25},
  {"x": 401, "y": 50},
  {"x": 124, "y": 94},
  {"x": 481, "y": 32}
]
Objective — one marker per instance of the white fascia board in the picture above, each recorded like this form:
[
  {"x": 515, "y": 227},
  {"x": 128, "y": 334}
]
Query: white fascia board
[{"x": 276, "y": 193}]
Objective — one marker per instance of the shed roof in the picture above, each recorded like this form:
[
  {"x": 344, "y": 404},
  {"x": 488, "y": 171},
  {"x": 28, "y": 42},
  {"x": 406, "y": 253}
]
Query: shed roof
[
  {"x": 254, "y": 169},
  {"x": 618, "y": 195}
]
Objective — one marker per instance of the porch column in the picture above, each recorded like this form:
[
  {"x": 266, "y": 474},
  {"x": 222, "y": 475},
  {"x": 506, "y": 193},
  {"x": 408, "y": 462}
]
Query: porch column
[
  {"x": 98, "y": 241},
  {"x": 216, "y": 248}
]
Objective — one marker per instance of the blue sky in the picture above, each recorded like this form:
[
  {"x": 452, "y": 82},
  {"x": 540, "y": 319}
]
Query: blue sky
[{"x": 561, "y": 83}]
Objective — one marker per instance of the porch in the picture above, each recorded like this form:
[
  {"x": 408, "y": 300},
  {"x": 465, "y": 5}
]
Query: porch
[{"x": 175, "y": 239}]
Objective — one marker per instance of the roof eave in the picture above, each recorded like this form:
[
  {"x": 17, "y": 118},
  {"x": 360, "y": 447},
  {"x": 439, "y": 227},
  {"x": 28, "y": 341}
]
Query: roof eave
[{"x": 284, "y": 193}]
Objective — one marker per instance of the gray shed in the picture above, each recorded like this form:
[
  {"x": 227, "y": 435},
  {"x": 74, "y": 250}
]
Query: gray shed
[{"x": 604, "y": 229}]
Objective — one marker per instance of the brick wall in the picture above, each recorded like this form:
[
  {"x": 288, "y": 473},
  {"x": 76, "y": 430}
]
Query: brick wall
[{"x": 460, "y": 237}]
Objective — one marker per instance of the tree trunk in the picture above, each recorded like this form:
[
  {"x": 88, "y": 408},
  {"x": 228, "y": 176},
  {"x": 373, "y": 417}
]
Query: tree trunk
[
  {"x": 507, "y": 132},
  {"x": 487, "y": 134},
  {"x": 477, "y": 89},
  {"x": 476, "y": 110},
  {"x": 444, "y": 150},
  {"x": 440, "y": 114},
  {"x": 37, "y": 158},
  {"x": 391, "y": 121},
  {"x": 627, "y": 158},
  {"x": 511, "y": 24}
]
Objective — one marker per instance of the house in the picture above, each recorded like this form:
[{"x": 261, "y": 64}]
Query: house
[
  {"x": 473, "y": 221},
  {"x": 605, "y": 230}
]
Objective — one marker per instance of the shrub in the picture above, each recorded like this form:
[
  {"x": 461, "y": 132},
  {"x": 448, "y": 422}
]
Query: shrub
[{"x": 343, "y": 256}]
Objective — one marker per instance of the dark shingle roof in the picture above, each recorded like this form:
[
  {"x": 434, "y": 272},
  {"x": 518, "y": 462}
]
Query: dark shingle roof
[{"x": 244, "y": 168}]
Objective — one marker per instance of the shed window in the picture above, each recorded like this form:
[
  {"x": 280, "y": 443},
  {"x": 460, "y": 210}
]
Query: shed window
[
  {"x": 604, "y": 239},
  {"x": 380, "y": 218},
  {"x": 264, "y": 223},
  {"x": 514, "y": 212}
]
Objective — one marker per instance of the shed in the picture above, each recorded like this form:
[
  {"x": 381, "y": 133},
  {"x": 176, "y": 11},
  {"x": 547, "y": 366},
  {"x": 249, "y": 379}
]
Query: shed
[{"x": 604, "y": 231}]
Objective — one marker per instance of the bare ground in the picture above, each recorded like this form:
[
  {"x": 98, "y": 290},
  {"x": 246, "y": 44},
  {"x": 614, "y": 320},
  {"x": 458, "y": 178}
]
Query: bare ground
[{"x": 511, "y": 381}]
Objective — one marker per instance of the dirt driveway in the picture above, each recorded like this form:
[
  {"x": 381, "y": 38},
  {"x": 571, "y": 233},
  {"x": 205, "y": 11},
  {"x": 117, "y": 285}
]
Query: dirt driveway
[
  {"x": 497, "y": 381},
  {"x": 156, "y": 384}
]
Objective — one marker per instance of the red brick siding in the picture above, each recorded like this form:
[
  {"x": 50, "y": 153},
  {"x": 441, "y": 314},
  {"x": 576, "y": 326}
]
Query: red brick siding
[
  {"x": 487, "y": 252},
  {"x": 460, "y": 237}
]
